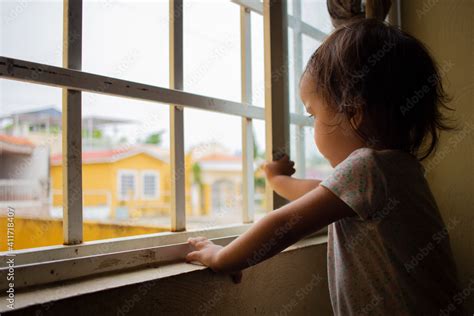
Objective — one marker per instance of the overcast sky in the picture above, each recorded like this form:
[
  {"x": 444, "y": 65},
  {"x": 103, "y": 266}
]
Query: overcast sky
[{"x": 129, "y": 40}]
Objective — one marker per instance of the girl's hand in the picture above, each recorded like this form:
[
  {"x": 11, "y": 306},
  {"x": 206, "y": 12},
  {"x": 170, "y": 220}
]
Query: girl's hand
[
  {"x": 284, "y": 167},
  {"x": 206, "y": 254}
]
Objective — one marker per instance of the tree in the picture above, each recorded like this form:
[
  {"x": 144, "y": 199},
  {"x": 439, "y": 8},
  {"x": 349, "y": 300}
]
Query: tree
[
  {"x": 155, "y": 138},
  {"x": 259, "y": 181},
  {"x": 196, "y": 170}
]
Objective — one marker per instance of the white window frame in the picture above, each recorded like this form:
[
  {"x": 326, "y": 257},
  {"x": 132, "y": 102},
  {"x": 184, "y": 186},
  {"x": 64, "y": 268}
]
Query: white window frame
[
  {"x": 127, "y": 172},
  {"x": 76, "y": 258},
  {"x": 156, "y": 194}
]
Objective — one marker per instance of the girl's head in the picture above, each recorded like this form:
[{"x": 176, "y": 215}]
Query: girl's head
[{"x": 371, "y": 85}]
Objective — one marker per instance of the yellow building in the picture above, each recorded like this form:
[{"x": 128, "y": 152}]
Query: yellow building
[{"x": 122, "y": 183}]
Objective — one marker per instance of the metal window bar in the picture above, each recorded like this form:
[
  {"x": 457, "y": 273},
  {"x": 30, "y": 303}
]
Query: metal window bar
[
  {"x": 248, "y": 186},
  {"x": 21, "y": 70},
  {"x": 74, "y": 81},
  {"x": 298, "y": 27},
  {"x": 72, "y": 136},
  {"x": 277, "y": 116},
  {"x": 178, "y": 196}
]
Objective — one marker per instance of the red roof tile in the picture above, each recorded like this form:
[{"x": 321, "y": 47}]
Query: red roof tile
[
  {"x": 220, "y": 157},
  {"x": 90, "y": 156},
  {"x": 15, "y": 140}
]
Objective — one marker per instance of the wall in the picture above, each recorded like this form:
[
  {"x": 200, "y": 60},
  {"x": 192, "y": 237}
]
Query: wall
[
  {"x": 34, "y": 232},
  {"x": 447, "y": 28},
  {"x": 291, "y": 283}
]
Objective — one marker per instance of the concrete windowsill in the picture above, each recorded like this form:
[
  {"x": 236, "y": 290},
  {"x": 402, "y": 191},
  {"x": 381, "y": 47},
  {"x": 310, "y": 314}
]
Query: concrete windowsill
[{"x": 62, "y": 290}]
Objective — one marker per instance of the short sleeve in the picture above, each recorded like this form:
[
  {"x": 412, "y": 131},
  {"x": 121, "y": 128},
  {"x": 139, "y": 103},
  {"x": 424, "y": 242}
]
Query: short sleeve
[{"x": 359, "y": 182}]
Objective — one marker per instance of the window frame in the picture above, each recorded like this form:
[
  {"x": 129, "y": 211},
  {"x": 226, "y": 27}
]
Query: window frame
[{"x": 33, "y": 265}]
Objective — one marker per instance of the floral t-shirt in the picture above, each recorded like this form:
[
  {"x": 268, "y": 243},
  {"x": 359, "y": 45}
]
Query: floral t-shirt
[{"x": 394, "y": 256}]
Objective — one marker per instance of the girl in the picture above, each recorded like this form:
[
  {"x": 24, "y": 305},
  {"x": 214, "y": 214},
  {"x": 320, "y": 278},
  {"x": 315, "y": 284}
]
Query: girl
[{"x": 375, "y": 94}]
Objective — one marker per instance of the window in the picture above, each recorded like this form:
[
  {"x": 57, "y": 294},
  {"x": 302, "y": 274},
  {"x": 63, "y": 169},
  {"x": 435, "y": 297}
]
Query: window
[
  {"x": 186, "y": 84},
  {"x": 150, "y": 184},
  {"x": 127, "y": 185},
  {"x": 308, "y": 25}
]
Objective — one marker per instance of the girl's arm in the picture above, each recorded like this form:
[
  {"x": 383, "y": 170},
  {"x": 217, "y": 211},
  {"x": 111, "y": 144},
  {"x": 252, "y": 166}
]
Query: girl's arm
[
  {"x": 279, "y": 176},
  {"x": 292, "y": 188},
  {"x": 273, "y": 233}
]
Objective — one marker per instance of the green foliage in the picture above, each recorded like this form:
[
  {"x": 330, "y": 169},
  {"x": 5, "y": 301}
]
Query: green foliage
[
  {"x": 8, "y": 127},
  {"x": 155, "y": 138},
  {"x": 96, "y": 133},
  {"x": 196, "y": 169},
  {"x": 257, "y": 153},
  {"x": 259, "y": 182}
]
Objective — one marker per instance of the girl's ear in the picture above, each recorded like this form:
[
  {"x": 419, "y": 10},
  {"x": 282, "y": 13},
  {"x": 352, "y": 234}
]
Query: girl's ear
[{"x": 357, "y": 117}]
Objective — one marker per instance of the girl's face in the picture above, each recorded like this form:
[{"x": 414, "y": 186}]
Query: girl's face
[{"x": 333, "y": 134}]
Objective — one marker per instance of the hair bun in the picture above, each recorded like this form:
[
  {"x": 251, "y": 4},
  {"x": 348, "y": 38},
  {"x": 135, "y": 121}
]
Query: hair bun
[{"x": 343, "y": 11}]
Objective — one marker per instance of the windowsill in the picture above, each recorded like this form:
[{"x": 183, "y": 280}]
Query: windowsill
[{"x": 62, "y": 290}]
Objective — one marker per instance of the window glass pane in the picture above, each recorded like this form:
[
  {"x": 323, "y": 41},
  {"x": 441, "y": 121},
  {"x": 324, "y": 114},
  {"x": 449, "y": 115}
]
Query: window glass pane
[
  {"x": 32, "y": 30},
  {"x": 294, "y": 72},
  {"x": 258, "y": 66},
  {"x": 289, "y": 6},
  {"x": 30, "y": 133},
  {"x": 295, "y": 138},
  {"x": 302, "y": 45},
  {"x": 259, "y": 175},
  {"x": 127, "y": 40},
  {"x": 308, "y": 47},
  {"x": 308, "y": 161},
  {"x": 315, "y": 13},
  {"x": 212, "y": 49},
  {"x": 213, "y": 169},
  {"x": 312, "y": 164},
  {"x": 125, "y": 145}
]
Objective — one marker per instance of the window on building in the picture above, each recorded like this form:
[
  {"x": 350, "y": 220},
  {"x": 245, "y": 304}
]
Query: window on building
[
  {"x": 127, "y": 185},
  {"x": 150, "y": 184}
]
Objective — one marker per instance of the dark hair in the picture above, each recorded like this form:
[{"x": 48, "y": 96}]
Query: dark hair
[
  {"x": 384, "y": 79},
  {"x": 343, "y": 11}
]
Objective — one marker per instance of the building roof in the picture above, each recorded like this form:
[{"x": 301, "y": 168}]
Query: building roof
[
  {"x": 46, "y": 111},
  {"x": 218, "y": 157},
  {"x": 15, "y": 140},
  {"x": 15, "y": 144},
  {"x": 52, "y": 113},
  {"x": 220, "y": 162},
  {"x": 113, "y": 155},
  {"x": 95, "y": 120}
]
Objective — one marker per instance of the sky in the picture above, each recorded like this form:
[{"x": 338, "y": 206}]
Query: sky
[{"x": 129, "y": 40}]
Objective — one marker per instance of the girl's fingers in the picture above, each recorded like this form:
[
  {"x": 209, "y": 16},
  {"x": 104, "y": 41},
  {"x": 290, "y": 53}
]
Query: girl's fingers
[
  {"x": 194, "y": 240},
  {"x": 192, "y": 256},
  {"x": 196, "y": 256}
]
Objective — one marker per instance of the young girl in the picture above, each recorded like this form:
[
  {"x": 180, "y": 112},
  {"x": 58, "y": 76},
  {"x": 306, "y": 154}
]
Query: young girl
[{"x": 375, "y": 94}]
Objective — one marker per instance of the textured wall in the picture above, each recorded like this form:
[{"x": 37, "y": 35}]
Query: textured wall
[{"x": 447, "y": 27}]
